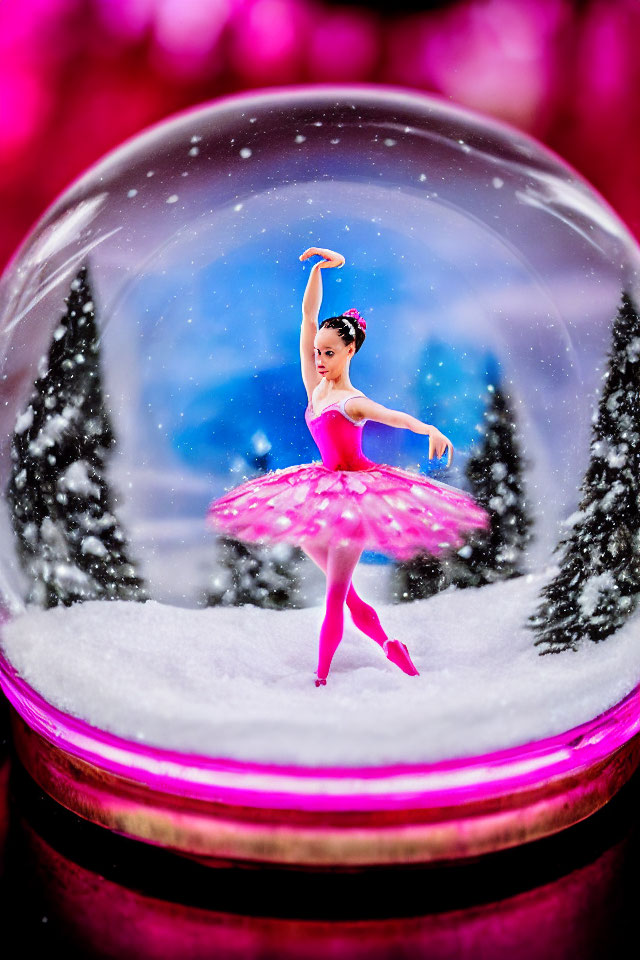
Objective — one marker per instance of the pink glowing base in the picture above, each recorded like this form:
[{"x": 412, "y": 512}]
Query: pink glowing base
[
  {"x": 214, "y": 808},
  {"x": 552, "y": 921}
]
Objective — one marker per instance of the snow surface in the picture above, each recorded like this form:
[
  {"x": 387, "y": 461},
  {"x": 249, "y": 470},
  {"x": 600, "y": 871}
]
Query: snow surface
[{"x": 238, "y": 682}]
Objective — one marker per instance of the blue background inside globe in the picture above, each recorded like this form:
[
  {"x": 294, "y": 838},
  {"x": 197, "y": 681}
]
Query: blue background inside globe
[{"x": 256, "y": 410}]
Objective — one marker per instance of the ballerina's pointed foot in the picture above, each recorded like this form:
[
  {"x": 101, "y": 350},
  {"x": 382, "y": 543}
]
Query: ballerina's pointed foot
[
  {"x": 320, "y": 682},
  {"x": 397, "y": 653}
]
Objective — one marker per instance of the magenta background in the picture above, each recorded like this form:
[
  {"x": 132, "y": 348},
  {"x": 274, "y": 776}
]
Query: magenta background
[{"x": 77, "y": 77}]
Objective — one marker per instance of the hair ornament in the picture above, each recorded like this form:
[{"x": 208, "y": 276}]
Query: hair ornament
[{"x": 352, "y": 312}]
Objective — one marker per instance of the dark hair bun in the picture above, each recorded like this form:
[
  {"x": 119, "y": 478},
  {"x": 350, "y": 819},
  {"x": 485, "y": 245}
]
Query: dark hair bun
[{"x": 348, "y": 328}]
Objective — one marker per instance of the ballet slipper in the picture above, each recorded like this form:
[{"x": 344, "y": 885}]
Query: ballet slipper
[
  {"x": 397, "y": 653},
  {"x": 321, "y": 683}
]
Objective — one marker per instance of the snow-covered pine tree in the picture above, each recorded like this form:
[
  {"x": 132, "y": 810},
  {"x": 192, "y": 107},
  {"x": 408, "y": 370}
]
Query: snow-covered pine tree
[
  {"x": 495, "y": 471},
  {"x": 417, "y": 579},
  {"x": 69, "y": 542},
  {"x": 265, "y": 576},
  {"x": 598, "y": 583}
]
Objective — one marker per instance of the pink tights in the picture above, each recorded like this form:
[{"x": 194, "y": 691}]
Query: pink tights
[{"x": 338, "y": 563}]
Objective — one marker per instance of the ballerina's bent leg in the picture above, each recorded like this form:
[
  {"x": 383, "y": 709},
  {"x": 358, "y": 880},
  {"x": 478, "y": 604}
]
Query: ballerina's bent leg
[{"x": 363, "y": 615}]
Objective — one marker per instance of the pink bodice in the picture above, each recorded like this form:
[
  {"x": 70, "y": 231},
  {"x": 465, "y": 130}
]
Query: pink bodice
[{"x": 338, "y": 437}]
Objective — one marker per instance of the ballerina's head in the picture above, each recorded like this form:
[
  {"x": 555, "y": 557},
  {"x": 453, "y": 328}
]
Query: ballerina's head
[{"x": 336, "y": 341}]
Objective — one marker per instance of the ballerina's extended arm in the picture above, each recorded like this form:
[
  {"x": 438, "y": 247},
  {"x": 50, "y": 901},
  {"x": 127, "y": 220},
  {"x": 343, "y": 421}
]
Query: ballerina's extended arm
[{"x": 438, "y": 443}]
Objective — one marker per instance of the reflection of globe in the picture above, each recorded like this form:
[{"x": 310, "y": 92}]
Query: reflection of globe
[{"x": 149, "y": 361}]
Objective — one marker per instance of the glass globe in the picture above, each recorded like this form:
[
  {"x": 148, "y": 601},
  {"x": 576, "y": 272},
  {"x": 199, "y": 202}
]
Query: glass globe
[{"x": 150, "y": 362}]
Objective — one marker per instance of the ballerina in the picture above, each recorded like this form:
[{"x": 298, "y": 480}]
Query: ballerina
[{"x": 336, "y": 508}]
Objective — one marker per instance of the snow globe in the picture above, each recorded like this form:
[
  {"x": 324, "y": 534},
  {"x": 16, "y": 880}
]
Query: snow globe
[{"x": 152, "y": 362}]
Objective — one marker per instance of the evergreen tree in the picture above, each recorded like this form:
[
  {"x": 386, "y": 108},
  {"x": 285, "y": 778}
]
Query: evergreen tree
[
  {"x": 494, "y": 475},
  {"x": 495, "y": 472},
  {"x": 418, "y": 578},
  {"x": 265, "y": 576},
  {"x": 597, "y": 586},
  {"x": 69, "y": 542}
]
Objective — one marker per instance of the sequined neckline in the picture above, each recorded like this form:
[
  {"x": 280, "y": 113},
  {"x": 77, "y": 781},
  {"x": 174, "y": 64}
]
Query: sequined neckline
[
  {"x": 328, "y": 407},
  {"x": 317, "y": 415}
]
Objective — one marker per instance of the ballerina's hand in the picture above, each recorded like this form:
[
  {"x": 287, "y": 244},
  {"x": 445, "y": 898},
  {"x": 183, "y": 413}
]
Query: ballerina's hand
[
  {"x": 329, "y": 257},
  {"x": 438, "y": 443}
]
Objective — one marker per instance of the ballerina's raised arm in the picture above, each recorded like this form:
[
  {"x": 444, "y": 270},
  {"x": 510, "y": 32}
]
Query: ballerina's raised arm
[{"x": 311, "y": 303}]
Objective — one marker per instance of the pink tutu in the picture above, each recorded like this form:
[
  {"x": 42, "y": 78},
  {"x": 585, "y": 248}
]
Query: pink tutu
[{"x": 348, "y": 498}]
